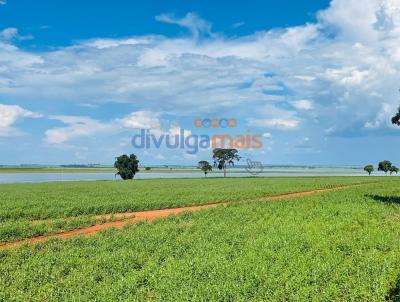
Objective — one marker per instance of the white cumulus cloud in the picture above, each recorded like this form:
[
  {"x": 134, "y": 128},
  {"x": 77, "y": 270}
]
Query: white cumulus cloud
[
  {"x": 76, "y": 126},
  {"x": 10, "y": 114},
  {"x": 141, "y": 120},
  {"x": 347, "y": 62},
  {"x": 12, "y": 33}
]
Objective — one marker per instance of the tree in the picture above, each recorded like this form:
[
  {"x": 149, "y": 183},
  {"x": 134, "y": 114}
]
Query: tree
[
  {"x": 205, "y": 167},
  {"x": 396, "y": 118},
  {"x": 384, "y": 166},
  {"x": 393, "y": 169},
  {"x": 225, "y": 157},
  {"x": 369, "y": 169},
  {"x": 127, "y": 166}
]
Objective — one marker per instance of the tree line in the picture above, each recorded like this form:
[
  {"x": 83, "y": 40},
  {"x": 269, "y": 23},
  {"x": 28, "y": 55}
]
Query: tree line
[
  {"x": 128, "y": 166},
  {"x": 384, "y": 166}
]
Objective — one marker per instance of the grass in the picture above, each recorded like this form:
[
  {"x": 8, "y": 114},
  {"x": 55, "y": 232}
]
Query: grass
[
  {"x": 20, "y": 204},
  {"x": 334, "y": 246}
]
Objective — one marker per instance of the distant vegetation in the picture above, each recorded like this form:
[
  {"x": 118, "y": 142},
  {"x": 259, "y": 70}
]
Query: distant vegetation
[
  {"x": 384, "y": 166},
  {"x": 393, "y": 169},
  {"x": 205, "y": 167},
  {"x": 127, "y": 166},
  {"x": 396, "y": 118},
  {"x": 81, "y": 166},
  {"x": 369, "y": 169},
  {"x": 224, "y": 158}
]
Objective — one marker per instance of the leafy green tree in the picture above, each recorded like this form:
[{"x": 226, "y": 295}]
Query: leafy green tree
[
  {"x": 225, "y": 157},
  {"x": 205, "y": 167},
  {"x": 369, "y": 169},
  {"x": 384, "y": 166},
  {"x": 393, "y": 169},
  {"x": 396, "y": 118},
  {"x": 127, "y": 166}
]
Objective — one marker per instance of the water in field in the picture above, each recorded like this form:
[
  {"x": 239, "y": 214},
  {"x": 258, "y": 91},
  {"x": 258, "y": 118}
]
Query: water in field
[{"x": 237, "y": 172}]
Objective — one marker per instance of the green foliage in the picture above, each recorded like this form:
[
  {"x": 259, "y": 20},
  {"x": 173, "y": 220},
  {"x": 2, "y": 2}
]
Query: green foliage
[
  {"x": 396, "y": 118},
  {"x": 339, "y": 246},
  {"x": 225, "y": 157},
  {"x": 393, "y": 169},
  {"x": 205, "y": 166},
  {"x": 127, "y": 166},
  {"x": 67, "y": 205},
  {"x": 369, "y": 169},
  {"x": 147, "y": 168},
  {"x": 384, "y": 166}
]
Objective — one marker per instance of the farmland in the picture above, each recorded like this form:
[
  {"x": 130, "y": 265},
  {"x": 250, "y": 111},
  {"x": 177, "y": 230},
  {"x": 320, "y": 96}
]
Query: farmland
[
  {"x": 67, "y": 205},
  {"x": 341, "y": 245}
]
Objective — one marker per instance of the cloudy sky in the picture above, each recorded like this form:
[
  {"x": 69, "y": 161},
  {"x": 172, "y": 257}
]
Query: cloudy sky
[{"x": 318, "y": 80}]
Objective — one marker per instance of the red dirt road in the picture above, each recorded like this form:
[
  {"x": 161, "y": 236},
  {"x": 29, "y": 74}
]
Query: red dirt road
[{"x": 134, "y": 217}]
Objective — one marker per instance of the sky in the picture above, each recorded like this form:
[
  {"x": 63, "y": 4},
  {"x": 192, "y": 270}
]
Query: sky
[{"x": 318, "y": 81}]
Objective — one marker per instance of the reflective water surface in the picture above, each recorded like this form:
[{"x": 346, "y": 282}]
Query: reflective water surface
[{"x": 45, "y": 177}]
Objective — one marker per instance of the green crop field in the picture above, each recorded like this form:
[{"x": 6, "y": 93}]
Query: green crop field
[
  {"x": 341, "y": 245},
  {"x": 67, "y": 205}
]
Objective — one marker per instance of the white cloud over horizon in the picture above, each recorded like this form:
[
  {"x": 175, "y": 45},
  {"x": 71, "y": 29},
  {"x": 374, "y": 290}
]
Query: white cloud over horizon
[
  {"x": 77, "y": 127},
  {"x": 336, "y": 77}
]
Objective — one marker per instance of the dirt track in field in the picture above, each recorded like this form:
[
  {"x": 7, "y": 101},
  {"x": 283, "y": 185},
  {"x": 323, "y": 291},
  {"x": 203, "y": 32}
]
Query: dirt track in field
[{"x": 134, "y": 217}]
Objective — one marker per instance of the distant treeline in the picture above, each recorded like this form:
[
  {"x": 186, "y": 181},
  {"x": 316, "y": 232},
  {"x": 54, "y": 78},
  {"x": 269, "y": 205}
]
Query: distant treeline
[
  {"x": 33, "y": 166},
  {"x": 82, "y": 166}
]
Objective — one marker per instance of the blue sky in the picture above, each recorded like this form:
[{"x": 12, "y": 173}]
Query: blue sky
[
  {"x": 318, "y": 79},
  {"x": 58, "y": 22}
]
